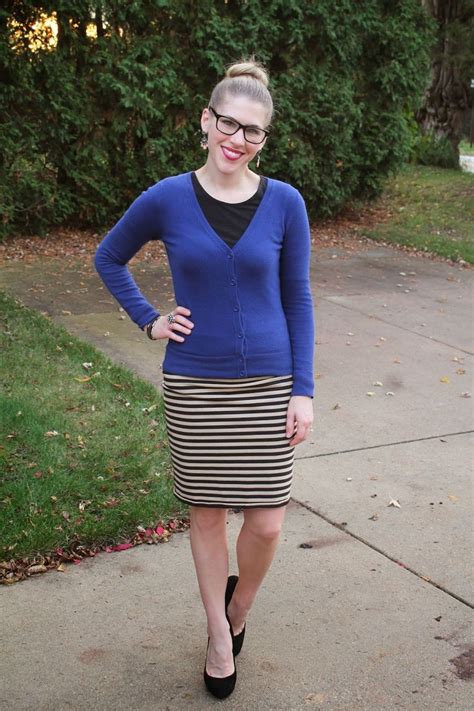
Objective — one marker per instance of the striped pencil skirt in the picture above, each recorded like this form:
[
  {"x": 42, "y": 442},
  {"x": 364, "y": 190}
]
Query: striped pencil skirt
[{"x": 227, "y": 439}]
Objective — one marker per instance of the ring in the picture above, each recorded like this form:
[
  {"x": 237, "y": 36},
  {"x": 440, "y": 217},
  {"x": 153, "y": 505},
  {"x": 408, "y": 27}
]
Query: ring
[{"x": 171, "y": 318}]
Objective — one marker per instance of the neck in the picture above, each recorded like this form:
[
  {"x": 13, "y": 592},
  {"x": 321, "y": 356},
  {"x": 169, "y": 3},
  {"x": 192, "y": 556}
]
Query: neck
[{"x": 225, "y": 181}]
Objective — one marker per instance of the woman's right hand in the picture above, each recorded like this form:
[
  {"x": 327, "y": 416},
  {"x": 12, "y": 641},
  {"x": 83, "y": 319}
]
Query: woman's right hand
[{"x": 163, "y": 329}]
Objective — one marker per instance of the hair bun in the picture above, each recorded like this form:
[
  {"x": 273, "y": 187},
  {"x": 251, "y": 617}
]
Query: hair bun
[{"x": 250, "y": 68}]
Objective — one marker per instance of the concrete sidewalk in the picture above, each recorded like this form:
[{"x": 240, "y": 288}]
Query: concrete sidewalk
[{"x": 367, "y": 606}]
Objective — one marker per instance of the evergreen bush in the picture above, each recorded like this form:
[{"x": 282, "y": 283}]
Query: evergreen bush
[{"x": 89, "y": 122}]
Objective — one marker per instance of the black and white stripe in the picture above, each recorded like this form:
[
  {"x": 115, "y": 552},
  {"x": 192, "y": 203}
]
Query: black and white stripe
[{"x": 228, "y": 441}]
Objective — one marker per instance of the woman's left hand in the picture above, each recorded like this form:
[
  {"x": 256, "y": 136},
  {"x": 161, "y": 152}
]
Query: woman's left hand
[{"x": 300, "y": 415}]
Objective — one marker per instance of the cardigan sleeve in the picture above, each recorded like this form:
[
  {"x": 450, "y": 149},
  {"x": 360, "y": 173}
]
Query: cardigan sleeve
[
  {"x": 295, "y": 261},
  {"x": 138, "y": 225}
]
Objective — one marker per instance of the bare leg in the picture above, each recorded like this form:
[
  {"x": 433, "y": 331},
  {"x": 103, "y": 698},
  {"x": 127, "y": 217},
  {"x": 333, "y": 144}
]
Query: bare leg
[
  {"x": 256, "y": 546},
  {"x": 208, "y": 535}
]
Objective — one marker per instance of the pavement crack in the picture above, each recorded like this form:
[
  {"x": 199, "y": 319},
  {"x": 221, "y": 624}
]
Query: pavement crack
[
  {"x": 367, "y": 543},
  {"x": 383, "y": 444}
]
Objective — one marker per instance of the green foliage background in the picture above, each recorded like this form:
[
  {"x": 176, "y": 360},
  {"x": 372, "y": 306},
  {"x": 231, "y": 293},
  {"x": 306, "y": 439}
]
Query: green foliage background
[{"x": 86, "y": 125}]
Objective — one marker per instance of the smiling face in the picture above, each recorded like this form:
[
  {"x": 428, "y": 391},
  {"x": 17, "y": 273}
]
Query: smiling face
[{"x": 231, "y": 153}]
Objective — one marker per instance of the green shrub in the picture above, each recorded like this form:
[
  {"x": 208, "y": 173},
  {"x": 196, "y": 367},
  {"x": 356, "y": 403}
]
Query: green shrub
[
  {"x": 86, "y": 126},
  {"x": 439, "y": 153}
]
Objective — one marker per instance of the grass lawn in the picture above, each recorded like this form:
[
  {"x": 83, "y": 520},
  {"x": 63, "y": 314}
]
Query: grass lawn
[
  {"x": 84, "y": 455},
  {"x": 430, "y": 209}
]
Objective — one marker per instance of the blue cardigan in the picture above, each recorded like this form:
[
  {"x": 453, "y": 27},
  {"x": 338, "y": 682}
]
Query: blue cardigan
[{"x": 251, "y": 305}]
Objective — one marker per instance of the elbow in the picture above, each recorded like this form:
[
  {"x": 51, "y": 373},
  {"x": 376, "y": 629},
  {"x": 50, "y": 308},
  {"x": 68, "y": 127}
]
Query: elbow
[
  {"x": 99, "y": 259},
  {"x": 96, "y": 260}
]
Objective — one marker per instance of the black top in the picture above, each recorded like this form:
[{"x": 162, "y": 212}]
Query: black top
[{"x": 229, "y": 220}]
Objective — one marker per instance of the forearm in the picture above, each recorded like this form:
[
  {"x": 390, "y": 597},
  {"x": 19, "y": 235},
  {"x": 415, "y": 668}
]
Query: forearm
[
  {"x": 298, "y": 307},
  {"x": 296, "y": 295},
  {"x": 122, "y": 286}
]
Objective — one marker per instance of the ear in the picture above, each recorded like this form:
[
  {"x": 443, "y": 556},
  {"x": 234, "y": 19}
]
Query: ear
[{"x": 205, "y": 119}]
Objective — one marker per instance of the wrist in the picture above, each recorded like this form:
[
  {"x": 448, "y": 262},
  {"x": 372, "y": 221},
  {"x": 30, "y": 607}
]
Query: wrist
[{"x": 149, "y": 327}]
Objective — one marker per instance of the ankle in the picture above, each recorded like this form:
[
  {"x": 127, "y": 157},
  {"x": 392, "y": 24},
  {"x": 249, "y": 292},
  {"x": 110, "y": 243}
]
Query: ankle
[
  {"x": 218, "y": 631},
  {"x": 239, "y": 606}
]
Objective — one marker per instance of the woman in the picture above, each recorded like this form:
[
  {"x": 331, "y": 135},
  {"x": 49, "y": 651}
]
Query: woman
[{"x": 238, "y": 370}]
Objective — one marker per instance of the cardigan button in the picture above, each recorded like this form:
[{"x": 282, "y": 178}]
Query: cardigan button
[
  {"x": 236, "y": 308},
  {"x": 241, "y": 372},
  {"x": 233, "y": 281}
]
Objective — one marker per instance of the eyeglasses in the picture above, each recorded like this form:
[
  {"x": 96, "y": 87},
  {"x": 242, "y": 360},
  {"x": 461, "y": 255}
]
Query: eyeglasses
[{"x": 229, "y": 126}]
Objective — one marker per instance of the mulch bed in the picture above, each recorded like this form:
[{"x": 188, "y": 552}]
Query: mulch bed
[{"x": 344, "y": 232}]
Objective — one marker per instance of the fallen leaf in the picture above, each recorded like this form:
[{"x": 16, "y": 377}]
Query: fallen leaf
[
  {"x": 445, "y": 379},
  {"x": 120, "y": 547},
  {"x": 37, "y": 569},
  {"x": 110, "y": 503},
  {"x": 316, "y": 698}
]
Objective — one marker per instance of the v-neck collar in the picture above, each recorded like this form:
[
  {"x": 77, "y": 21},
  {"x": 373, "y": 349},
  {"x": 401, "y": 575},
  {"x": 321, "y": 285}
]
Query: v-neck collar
[{"x": 208, "y": 226}]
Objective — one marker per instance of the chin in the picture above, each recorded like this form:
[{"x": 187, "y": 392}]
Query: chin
[{"x": 227, "y": 168}]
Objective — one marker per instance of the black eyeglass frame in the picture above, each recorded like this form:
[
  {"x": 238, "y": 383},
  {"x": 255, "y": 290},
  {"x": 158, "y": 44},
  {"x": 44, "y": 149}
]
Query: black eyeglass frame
[{"x": 239, "y": 126}]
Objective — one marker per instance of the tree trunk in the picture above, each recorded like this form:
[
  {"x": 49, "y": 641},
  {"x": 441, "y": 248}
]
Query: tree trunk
[
  {"x": 99, "y": 21},
  {"x": 446, "y": 98}
]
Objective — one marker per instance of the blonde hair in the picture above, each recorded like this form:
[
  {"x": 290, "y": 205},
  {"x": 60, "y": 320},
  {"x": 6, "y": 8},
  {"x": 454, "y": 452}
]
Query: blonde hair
[{"x": 247, "y": 77}]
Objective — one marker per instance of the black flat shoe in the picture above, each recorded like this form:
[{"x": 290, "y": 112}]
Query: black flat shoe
[
  {"x": 238, "y": 639},
  {"x": 220, "y": 686}
]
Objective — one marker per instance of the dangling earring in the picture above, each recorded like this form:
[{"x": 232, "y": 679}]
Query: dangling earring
[
  {"x": 258, "y": 158},
  {"x": 204, "y": 141}
]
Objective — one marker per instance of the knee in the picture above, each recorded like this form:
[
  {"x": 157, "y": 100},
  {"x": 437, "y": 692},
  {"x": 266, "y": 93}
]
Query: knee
[
  {"x": 268, "y": 532},
  {"x": 208, "y": 518}
]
